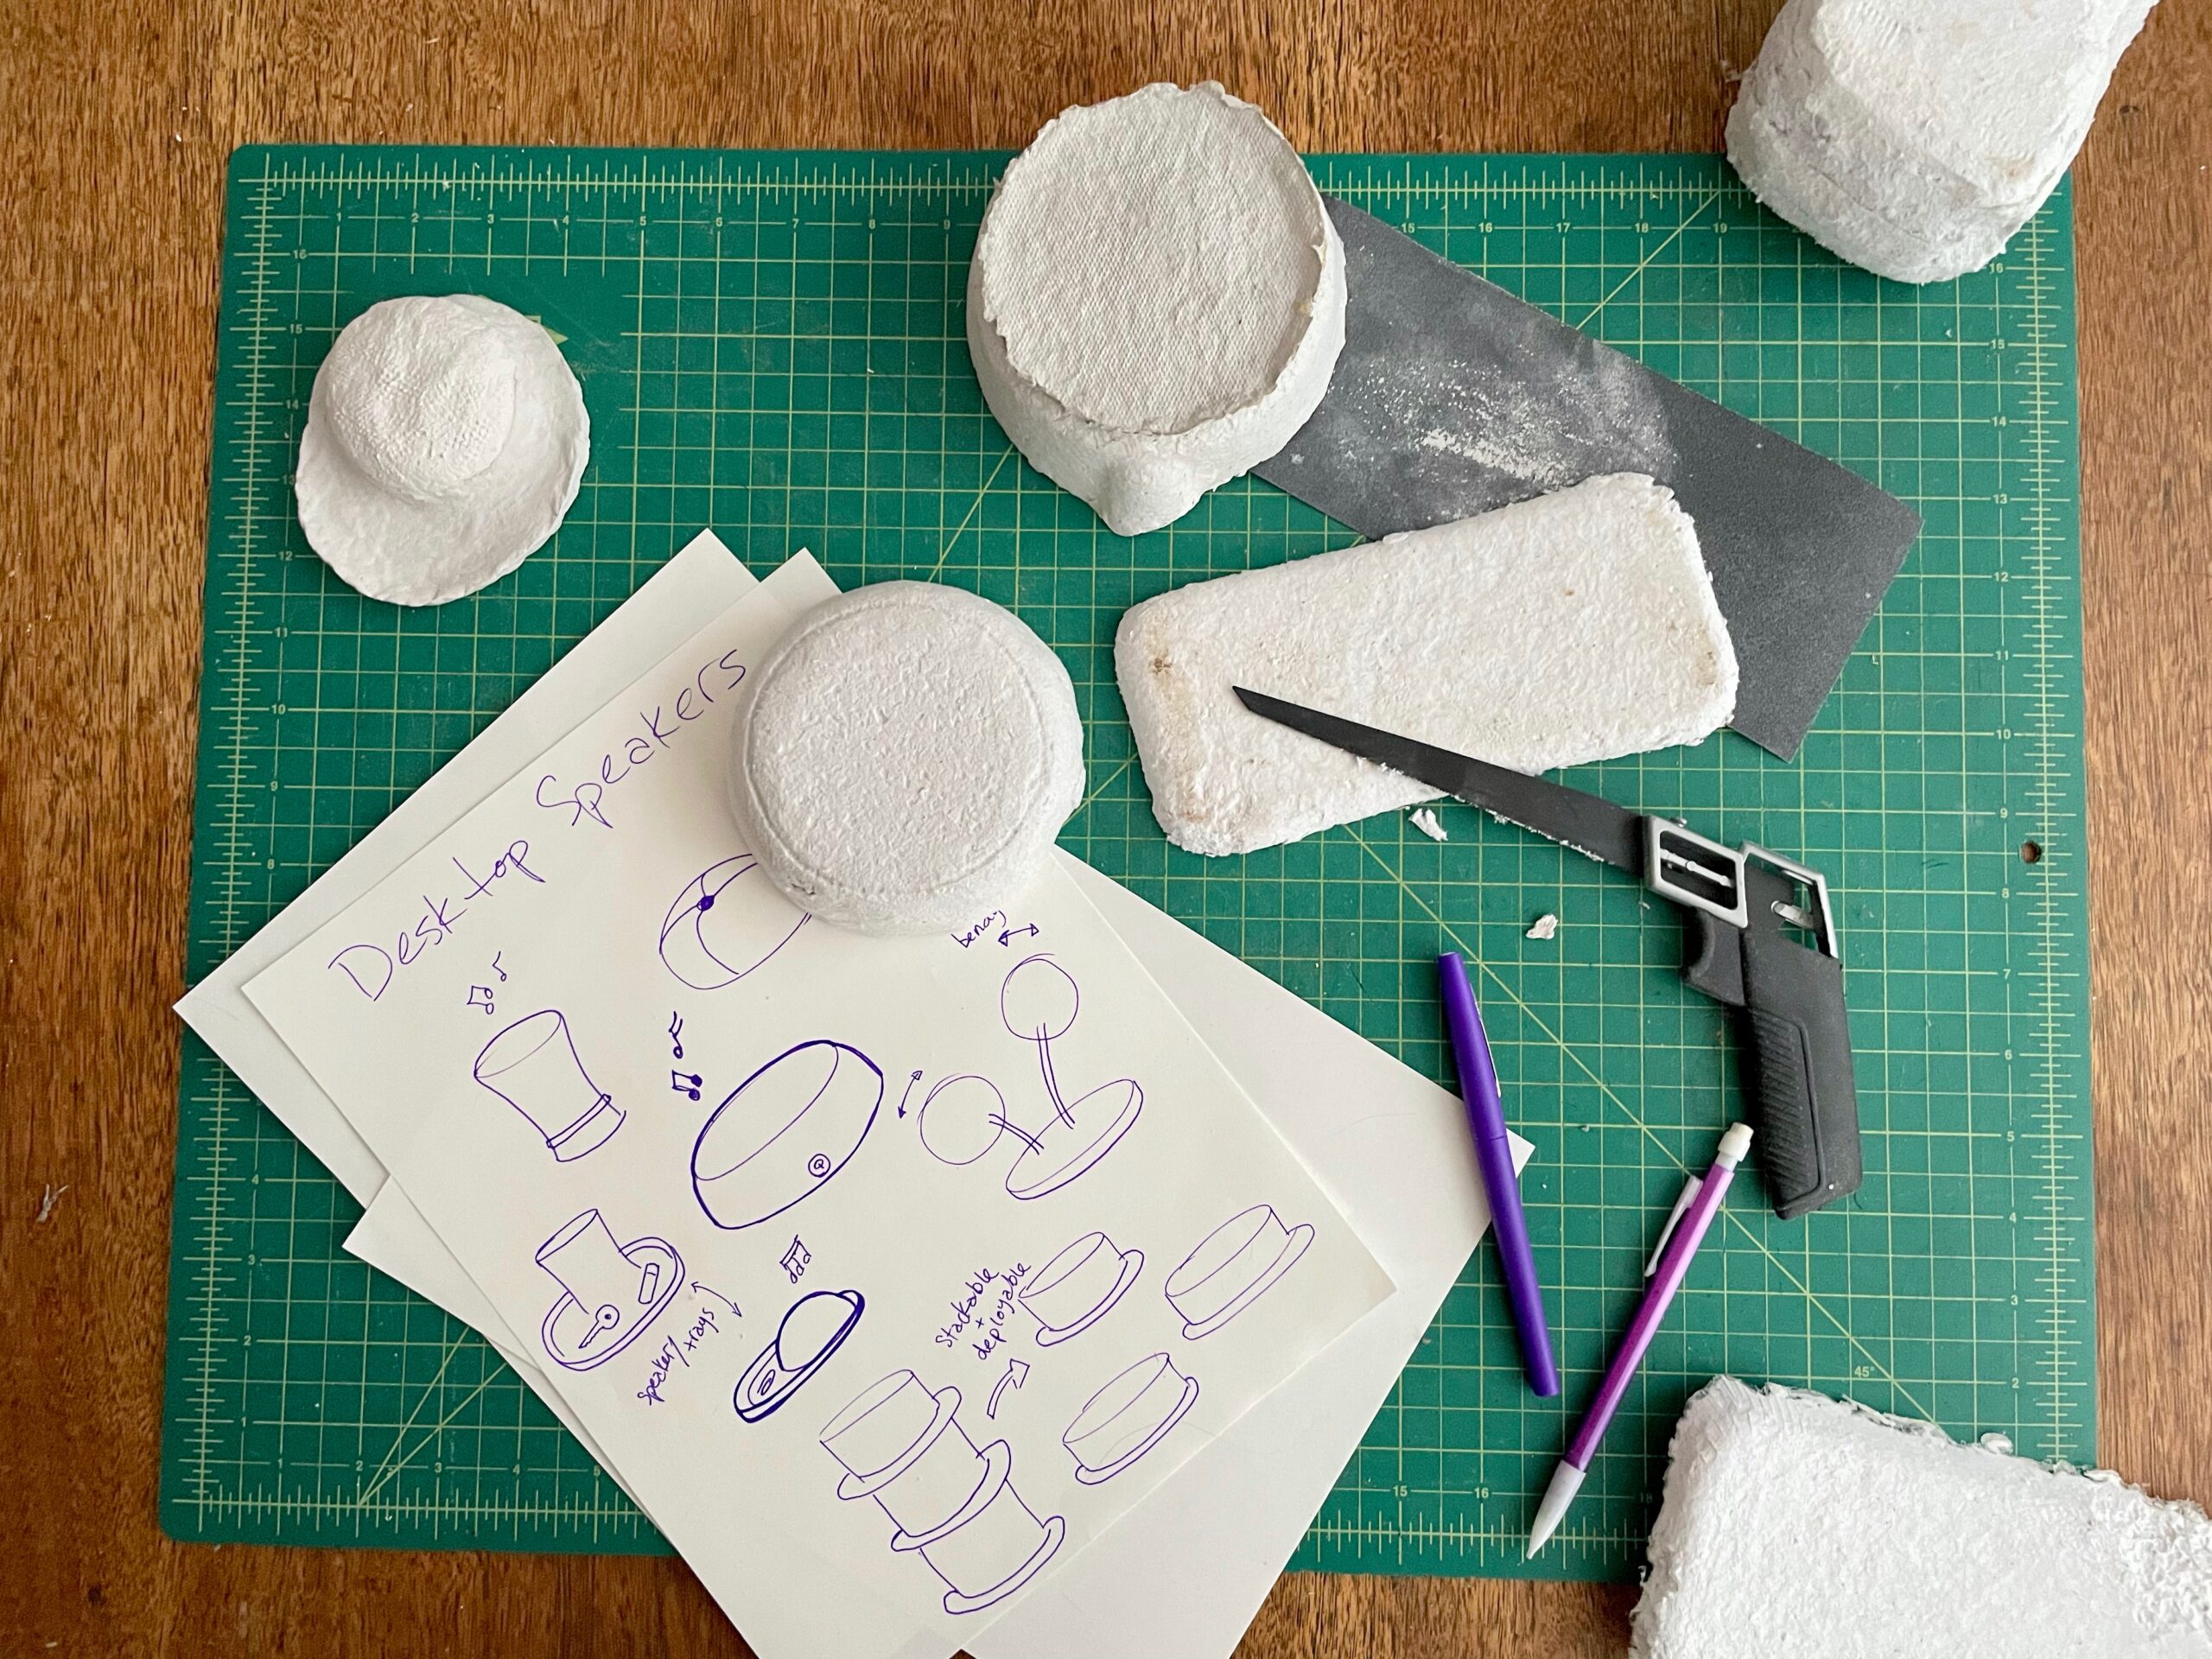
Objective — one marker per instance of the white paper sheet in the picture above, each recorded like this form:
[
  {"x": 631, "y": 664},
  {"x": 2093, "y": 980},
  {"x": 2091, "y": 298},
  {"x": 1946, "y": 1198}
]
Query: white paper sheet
[
  {"x": 993, "y": 1214},
  {"x": 1389, "y": 1144},
  {"x": 665, "y": 608}
]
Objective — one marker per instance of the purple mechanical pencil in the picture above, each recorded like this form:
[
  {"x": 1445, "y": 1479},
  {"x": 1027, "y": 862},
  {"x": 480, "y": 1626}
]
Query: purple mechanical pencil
[
  {"x": 1693, "y": 1213},
  {"x": 1494, "y": 1156}
]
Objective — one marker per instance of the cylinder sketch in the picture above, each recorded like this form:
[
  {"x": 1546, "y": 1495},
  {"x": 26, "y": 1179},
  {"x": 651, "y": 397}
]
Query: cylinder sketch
[
  {"x": 532, "y": 1064},
  {"x": 953, "y": 1505}
]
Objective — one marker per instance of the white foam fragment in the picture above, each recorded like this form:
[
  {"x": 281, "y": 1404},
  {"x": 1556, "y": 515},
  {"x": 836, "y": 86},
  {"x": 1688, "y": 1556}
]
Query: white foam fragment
[
  {"x": 1795, "y": 1526},
  {"x": 446, "y": 438},
  {"x": 1914, "y": 136},
  {"x": 906, "y": 756},
  {"x": 1574, "y": 627},
  {"x": 1546, "y": 926},
  {"x": 1424, "y": 819},
  {"x": 1156, "y": 299}
]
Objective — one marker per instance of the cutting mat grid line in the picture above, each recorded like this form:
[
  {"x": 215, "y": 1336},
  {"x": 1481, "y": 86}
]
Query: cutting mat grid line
[{"x": 772, "y": 344}]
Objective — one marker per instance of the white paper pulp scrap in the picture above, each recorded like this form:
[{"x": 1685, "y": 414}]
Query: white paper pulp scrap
[
  {"x": 639, "y": 631},
  {"x": 910, "y": 1154}
]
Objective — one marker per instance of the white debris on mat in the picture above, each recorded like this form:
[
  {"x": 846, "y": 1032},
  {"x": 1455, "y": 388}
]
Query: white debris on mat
[
  {"x": 1424, "y": 819},
  {"x": 1795, "y": 1525},
  {"x": 1156, "y": 299},
  {"x": 1575, "y": 626},
  {"x": 446, "y": 438},
  {"x": 1914, "y": 137},
  {"x": 1545, "y": 926},
  {"x": 907, "y": 754}
]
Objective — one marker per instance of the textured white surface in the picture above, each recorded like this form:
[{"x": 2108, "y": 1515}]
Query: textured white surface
[
  {"x": 1796, "y": 1526},
  {"x": 1156, "y": 300},
  {"x": 1914, "y": 137},
  {"x": 446, "y": 437},
  {"x": 1572, "y": 627},
  {"x": 906, "y": 756}
]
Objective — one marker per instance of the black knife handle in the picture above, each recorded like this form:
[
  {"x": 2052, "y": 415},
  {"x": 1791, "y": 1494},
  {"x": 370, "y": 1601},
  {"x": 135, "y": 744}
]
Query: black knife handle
[
  {"x": 1800, "y": 1071},
  {"x": 1797, "y": 1052}
]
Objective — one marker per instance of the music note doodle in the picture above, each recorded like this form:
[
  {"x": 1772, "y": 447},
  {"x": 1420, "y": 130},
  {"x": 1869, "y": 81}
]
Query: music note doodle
[
  {"x": 675, "y": 1034},
  {"x": 685, "y": 1083}
]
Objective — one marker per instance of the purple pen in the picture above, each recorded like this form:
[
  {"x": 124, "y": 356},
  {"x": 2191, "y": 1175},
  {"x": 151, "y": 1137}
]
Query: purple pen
[
  {"x": 1494, "y": 1157},
  {"x": 1693, "y": 1213}
]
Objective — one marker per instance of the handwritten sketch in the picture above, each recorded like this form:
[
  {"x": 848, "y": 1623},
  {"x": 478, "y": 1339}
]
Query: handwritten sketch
[
  {"x": 1232, "y": 1267},
  {"x": 1017, "y": 1373},
  {"x": 532, "y": 1066},
  {"x": 953, "y": 1505},
  {"x": 687, "y": 1084},
  {"x": 1078, "y": 1288},
  {"x": 707, "y": 944},
  {"x": 813, "y": 1328},
  {"x": 1127, "y": 1417},
  {"x": 783, "y": 1131},
  {"x": 961, "y": 1118},
  {"x": 609, "y": 1292},
  {"x": 1039, "y": 1001}
]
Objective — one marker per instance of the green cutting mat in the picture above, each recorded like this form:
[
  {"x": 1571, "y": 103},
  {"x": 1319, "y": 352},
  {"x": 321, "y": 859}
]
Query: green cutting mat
[{"x": 771, "y": 344}]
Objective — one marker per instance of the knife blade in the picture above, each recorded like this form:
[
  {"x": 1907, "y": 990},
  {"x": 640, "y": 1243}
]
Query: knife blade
[{"x": 1589, "y": 823}]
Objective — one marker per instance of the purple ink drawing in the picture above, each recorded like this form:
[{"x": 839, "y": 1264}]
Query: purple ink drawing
[
  {"x": 1078, "y": 1288},
  {"x": 1017, "y": 1373},
  {"x": 813, "y": 1328},
  {"x": 783, "y": 1131},
  {"x": 953, "y": 1505},
  {"x": 610, "y": 1292},
  {"x": 715, "y": 933},
  {"x": 1039, "y": 1001},
  {"x": 961, "y": 1119},
  {"x": 1127, "y": 1417},
  {"x": 532, "y": 1066},
  {"x": 1232, "y": 1267}
]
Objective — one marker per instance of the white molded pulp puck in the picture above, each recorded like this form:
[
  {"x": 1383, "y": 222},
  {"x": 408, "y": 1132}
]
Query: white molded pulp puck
[
  {"x": 907, "y": 754},
  {"x": 1156, "y": 300},
  {"x": 446, "y": 438}
]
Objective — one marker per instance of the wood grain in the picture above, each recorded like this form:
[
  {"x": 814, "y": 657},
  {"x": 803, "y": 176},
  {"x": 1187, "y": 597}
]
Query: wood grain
[{"x": 122, "y": 115}]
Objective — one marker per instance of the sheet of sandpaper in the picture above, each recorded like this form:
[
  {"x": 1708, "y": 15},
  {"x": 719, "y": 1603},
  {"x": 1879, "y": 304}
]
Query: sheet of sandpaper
[{"x": 1452, "y": 397}]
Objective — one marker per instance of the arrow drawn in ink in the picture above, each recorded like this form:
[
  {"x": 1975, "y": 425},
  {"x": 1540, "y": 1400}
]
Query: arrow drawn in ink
[
  {"x": 1016, "y": 1370},
  {"x": 708, "y": 1290},
  {"x": 1008, "y": 936},
  {"x": 910, "y": 1081}
]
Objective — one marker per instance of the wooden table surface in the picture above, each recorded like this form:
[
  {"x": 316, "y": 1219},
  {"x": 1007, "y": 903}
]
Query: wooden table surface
[{"x": 122, "y": 113}]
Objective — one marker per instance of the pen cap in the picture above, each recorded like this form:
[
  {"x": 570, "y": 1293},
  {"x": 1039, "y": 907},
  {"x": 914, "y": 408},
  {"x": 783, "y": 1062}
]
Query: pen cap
[{"x": 1462, "y": 1022}]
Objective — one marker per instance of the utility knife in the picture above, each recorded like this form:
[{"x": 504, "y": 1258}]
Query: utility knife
[{"x": 1762, "y": 941}]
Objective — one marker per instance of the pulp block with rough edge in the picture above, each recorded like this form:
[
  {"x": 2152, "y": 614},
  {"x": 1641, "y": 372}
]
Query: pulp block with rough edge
[
  {"x": 1795, "y": 1526},
  {"x": 1575, "y": 626},
  {"x": 1914, "y": 136}
]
